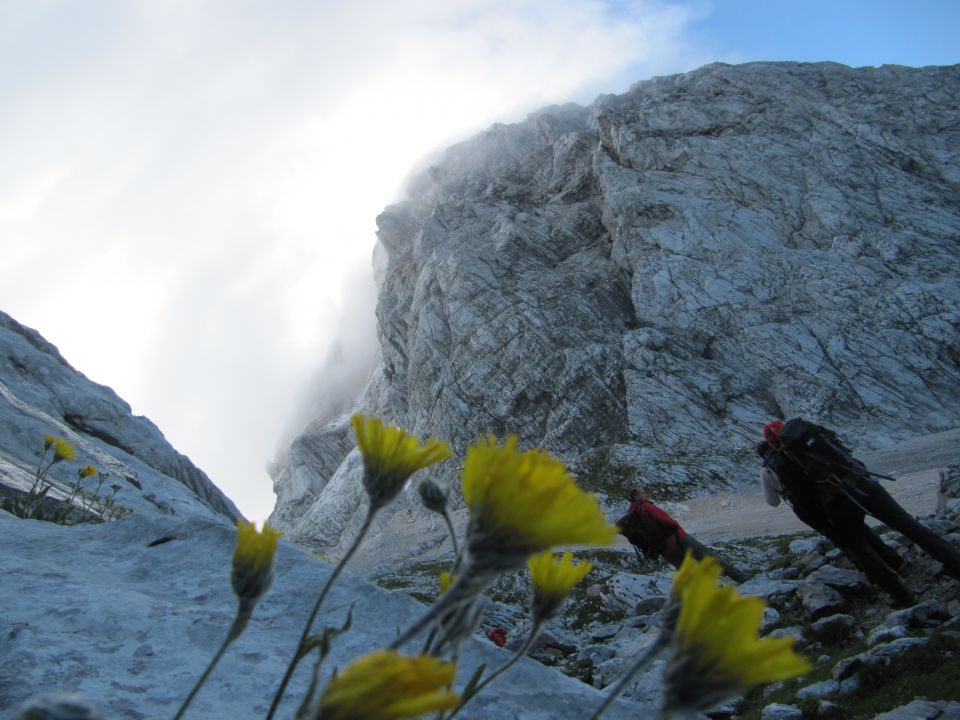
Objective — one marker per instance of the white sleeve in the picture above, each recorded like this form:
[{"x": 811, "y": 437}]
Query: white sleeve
[{"x": 771, "y": 486}]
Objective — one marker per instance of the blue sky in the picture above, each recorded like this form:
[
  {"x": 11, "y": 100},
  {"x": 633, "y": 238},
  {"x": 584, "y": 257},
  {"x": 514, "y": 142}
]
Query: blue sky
[
  {"x": 188, "y": 189},
  {"x": 852, "y": 32}
]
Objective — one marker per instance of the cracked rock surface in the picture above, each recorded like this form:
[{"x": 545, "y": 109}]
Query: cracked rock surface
[
  {"x": 640, "y": 284},
  {"x": 120, "y": 618}
]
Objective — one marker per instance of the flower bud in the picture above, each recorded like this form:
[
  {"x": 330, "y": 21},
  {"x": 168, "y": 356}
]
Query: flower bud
[
  {"x": 433, "y": 496},
  {"x": 391, "y": 456},
  {"x": 253, "y": 561}
]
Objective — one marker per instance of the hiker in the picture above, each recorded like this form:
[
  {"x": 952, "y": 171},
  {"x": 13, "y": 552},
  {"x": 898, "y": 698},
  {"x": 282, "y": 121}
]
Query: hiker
[
  {"x": 857, "y": 541},
  {"x": 654, "y": 533},
  {"x": 832, "y": 492}
]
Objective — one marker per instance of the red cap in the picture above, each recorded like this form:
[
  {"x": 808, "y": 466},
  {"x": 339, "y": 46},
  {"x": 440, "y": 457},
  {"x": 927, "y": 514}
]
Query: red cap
[{"x": 771, "y": 432}]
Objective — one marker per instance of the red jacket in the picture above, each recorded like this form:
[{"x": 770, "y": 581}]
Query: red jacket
[{"x": 652, "y": 515}]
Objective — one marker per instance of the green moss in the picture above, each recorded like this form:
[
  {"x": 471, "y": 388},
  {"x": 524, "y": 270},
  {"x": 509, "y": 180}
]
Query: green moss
[
  {"x": 511, "y": 588},
  {"x": 599, "y": 473},
  {"x": 931, "y": 671},
  {"x": 582, "y": 670},
  {"x": 420, "y": 580}
]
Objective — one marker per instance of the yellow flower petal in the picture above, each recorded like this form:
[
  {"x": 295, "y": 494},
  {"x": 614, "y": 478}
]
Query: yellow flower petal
[
  {"x": 553, "y": 579},
  {"x": 384, "y": 685},
  {"x": 446, "y": 581},
  {"x": 391, "y": 456},
  {"x": 717, "y": 651},
  {"x": 522, "y": 503},
  {"x": 62, "y": 450},
  {"x": 253, "y": 560}
]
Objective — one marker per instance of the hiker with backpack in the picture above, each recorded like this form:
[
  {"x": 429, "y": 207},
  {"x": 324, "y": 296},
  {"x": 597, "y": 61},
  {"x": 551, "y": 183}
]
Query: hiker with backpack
[
  {"x": 832, "y": 492},
  {"x": 780, "y": 479},
  {"x": 655, "y": 534}
]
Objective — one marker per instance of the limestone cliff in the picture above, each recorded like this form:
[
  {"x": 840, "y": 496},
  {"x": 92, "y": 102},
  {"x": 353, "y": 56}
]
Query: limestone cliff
[
  {"x": 128, "y": 613},
  {"x": 640, "y": 284},
  {"x": 41, "y": 393}
]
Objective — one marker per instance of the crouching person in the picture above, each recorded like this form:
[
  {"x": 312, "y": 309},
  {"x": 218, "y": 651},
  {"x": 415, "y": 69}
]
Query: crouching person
[{"x": 654, "y": 533}]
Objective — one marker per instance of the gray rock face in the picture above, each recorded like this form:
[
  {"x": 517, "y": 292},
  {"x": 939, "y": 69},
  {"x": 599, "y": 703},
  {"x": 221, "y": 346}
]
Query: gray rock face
[
  {"x": 119, "y": 619},
  {"x": 778, "y": 711},
  {"x": 95, "y": 610},
  {"x": 312, "y": 460},
  {"x": 41, "y": 394},
  {"x": 923, "y": 710},
  {"x": 639, "y": 285}
]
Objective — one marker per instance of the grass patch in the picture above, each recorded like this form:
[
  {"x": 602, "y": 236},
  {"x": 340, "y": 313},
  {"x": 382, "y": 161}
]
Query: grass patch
[
  {"x": 599, "y": 472},
  {"x": 419, "y": 580},
  {"x": 931, "y": 671}
]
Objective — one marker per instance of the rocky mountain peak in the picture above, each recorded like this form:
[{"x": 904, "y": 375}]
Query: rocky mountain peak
[{"x": 639, "y": 285}]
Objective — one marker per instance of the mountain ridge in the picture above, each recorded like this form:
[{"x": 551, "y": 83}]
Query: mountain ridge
[{"x": 639, "y": 285}]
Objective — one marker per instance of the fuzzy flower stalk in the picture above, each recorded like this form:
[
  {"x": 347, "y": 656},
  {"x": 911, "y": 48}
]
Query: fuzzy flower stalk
[
  {"x": 251, "y": 576},
  {"x": 434, "y": 499},
  {"x": 457, "y": 625},
  {"x": 62, "y": 450},
  {"x": 716, "y": 651},
  {"x": 553, "y": 579},
  {"x": 390, "y": 456},
  {"x": 713, "y": 635},
  {"x": 31, "y": 503},
  {"x": 708, "y": 567},
  {"x": 520, "y": 504},
  {"x": 384, "y": 685}
]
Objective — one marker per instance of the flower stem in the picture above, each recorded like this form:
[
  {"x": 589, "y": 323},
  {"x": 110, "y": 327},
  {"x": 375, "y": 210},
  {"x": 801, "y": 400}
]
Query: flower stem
[
  {"x": 659, "y": 644},
  {"x": 453, "y": 535},
  {"x": 524, "y": 649},
  {"x": 298, "y": 653},
  {"x": 239, "y": 623},
  {"x": 467, "y": 587}
]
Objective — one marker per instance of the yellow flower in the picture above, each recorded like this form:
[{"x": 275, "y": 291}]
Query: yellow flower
[
  {"x": 87, "y": 471},
  {"x": 553, "y": 579},
  {"x": 717, "y": 651},
  {"x": 690, "y": 568},
  {"x": 391, "y": 456},
  {"x": 62, "y": 450},
  {"x": 446, "y": 580},
  {"x": 253, "y": 560},
  {"x": 523, "y": 503},
  {"x": 384, "y": 685},
  {"x": 48, "y": 440}
]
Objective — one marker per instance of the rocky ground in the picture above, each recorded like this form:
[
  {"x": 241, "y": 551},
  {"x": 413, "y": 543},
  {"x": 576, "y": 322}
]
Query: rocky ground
[{"x": 870, "y": 658}]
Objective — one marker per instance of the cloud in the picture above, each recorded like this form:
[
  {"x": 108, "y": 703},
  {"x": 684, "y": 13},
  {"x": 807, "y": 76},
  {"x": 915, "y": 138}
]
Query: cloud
[{"x": 189, "y": 188}]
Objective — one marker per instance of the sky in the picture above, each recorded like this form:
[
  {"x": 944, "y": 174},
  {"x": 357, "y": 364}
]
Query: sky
[{"x": 188, "y": 188}]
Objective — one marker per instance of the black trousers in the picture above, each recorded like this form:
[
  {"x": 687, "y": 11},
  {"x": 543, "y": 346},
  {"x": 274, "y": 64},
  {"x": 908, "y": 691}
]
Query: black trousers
[
  {"x": 874, "y": 498},
  {"x": 700, "y": 551},
  {"x": 842, "y": 522}
]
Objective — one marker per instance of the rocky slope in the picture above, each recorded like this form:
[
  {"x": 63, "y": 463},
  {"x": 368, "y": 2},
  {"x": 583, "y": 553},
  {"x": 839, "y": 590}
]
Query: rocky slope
[
  {"x": 127, "y": 613},
  {"x": 869, "y": 656},
  {"x": 41, "y": 393},
  {"x": 640, "y": 284}
]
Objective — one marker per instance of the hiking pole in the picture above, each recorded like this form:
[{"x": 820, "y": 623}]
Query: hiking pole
[{"x": 842, "y": 450}]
